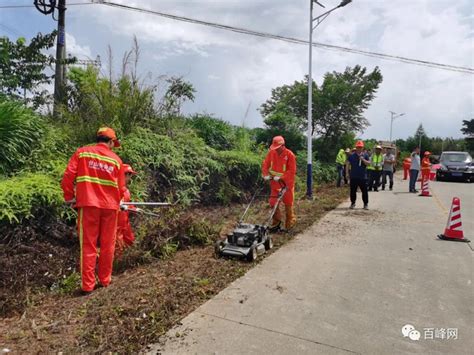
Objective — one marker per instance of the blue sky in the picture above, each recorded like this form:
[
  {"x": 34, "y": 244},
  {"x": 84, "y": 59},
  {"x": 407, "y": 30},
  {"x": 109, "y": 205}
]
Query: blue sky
[{"x": 232, "y": 71}]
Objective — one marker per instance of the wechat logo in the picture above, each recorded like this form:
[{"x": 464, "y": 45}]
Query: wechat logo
[{"x": 409, "y": 331}]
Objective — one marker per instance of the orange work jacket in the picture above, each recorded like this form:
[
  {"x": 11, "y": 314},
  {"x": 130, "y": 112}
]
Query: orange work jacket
[
  {"x": 283, "y": 165},
  {"x": 124, "y": 229},
  {"x": 95, "y": 177},
  {"x": 426, "y": 165},
  {"x": 407, "y": 162}
]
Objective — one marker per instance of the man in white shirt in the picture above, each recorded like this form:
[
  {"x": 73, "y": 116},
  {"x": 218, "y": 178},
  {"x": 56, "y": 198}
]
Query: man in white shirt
[{"x": 414, "y": 169}]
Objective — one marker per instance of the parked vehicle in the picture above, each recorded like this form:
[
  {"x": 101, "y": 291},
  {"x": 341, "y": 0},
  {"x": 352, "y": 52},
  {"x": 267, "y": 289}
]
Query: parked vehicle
[{"x": 455, "y": 166}]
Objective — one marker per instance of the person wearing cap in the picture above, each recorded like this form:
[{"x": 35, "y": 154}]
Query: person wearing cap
[
  {"x": 340, "y": 164},
  {"x": 425, "y": 166},
  {"x": 387, "y": 169},
  {"x": 375, "y": 169},
  {"x": 94, "y": 182},
  {"x": 125, "y": 235},
  {"x": 279, "y": 167},
  {"x": 356, "y": 164}
]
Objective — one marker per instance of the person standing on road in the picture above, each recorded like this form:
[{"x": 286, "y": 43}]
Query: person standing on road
[
  {"x": 406, "y": 167},
  {"x": 94, "y": 182},
  {"x": 340, "y": 164},
  {"x": 414, "y": 169},
  {"x": 375, "y": 169},
  {"x": 279, "y": 167},
  {"x": 356, "y": 164},
  {"x": 387, "y": 170},
  {"x": 426, "y": 166}
]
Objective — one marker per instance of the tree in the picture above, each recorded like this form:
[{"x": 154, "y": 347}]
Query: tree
[
  {"x": 178, "y": 92},
  {"x": 468, "y": 127},
  {"x": 22, "y": 68},
  {"x": 281, "y": 122},
  {"x": 339, "y": 104},
  {"x": 94, "y": 101},
  {"x": 468, "y": 131}
]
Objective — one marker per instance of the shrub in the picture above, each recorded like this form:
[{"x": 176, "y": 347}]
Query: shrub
[
  {"x": 52, "y": 152},
  {"x": 20, "y": 130},
  {"x": 174, "y": 167},
  {"x": 237, "y": 173},
  {"x": 322, "y": 172},
  {"x": 216, "y": 133},
  {"x": 30, "y": 195}
]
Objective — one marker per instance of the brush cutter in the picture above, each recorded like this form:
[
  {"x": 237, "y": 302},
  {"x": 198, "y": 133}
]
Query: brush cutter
[
  {"x": 132, "y": 207},
  {"x": 250, "y": 240}
]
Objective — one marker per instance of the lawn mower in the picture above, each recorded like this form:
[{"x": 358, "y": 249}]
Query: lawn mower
[{"x": 249, "y": 240}]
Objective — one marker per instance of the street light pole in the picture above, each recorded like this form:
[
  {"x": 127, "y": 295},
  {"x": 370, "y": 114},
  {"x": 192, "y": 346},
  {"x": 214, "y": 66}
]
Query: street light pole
[
  {"x": 309, "y": 171},
  {"x": 317, "y": 20},
  {"x": 392, "y": 118}
]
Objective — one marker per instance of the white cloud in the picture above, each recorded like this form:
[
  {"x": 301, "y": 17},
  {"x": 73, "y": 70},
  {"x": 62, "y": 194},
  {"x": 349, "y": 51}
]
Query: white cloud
[
  {"x": 230, "y": 70},
  {"x": 76, "y": 50}
]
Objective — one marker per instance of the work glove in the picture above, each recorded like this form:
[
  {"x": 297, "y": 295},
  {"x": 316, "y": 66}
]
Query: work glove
[
  {"x": 276, "y": 178},
  {"x": 267, "y": 177},
  {"x": 124, "y": 207}
]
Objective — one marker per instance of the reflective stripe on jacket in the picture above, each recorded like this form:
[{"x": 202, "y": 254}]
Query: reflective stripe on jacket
[
  {"x": 425, "y": 164},
  {"x": 376, "y": 162},
  {"x": 95, "y": 177},
  {"x": 283, "y": 165},
  {"x": 341, "y": 157}
]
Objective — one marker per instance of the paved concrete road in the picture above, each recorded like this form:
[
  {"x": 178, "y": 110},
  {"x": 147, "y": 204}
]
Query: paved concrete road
[{"x": 349, "y": 285}]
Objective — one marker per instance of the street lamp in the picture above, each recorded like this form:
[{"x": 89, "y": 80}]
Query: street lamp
[
  {"x": 313, "y": 23},
  {"x": 392, "y": 118}
]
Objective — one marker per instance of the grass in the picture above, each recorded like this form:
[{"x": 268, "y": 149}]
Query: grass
[{"x": 144, "y": 302}]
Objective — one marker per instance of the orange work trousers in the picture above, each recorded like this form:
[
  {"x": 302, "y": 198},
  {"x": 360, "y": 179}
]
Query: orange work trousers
[
  {"x": 96, "y": 227},
  {"x": 406, "y": 170}
]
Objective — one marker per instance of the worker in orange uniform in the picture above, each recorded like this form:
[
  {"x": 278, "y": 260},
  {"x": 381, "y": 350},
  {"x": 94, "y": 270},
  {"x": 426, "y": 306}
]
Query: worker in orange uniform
[
  {"x": 425, "y": 166},
  {"x": 125, "y": 235},
  {"x": 94, "y": 182},
  {"x": 280, "y": 164},
  {"x": 406, "y": 167}
]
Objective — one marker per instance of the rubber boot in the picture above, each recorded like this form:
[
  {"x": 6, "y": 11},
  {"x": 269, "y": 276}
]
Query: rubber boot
[
  {"x": 276, "y": 221},
  {"x": 290, "y": 217}
]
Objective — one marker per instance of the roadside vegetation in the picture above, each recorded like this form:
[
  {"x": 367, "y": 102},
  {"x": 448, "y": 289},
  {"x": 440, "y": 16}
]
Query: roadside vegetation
[{"x": 207, "y": 166}]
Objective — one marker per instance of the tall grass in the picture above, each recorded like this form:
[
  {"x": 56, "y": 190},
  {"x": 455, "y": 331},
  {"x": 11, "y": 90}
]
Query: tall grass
[{"x": 20, "y": 131}]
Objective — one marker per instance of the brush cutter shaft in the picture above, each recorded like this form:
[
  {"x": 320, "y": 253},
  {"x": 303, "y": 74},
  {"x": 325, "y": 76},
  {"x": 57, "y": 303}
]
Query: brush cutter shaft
[
  {"x": 279, "y": 197},
  {"x": 151, "y": 204}
]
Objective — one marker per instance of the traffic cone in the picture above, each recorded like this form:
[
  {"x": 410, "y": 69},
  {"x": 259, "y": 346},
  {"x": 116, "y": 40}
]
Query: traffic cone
[
  {"x": 453, "y": 230},
  {"x": 425, "y": 187}
]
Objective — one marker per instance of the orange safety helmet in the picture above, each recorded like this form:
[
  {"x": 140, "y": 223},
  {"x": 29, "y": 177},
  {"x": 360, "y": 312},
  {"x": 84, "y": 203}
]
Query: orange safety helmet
[
  {"x": 360, "y": 144},
  {"x": 109, "y": 133},
  {"x": 277, "y": 142}
]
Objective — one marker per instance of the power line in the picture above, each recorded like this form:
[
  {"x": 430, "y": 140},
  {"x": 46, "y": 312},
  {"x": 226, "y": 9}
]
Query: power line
[
  {"x": 406, "y": 60},
  {"x": 401, "y": 59},
  {"x": 26, "y": 6}
]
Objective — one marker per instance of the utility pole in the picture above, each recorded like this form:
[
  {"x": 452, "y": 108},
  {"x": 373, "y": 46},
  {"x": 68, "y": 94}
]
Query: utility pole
[
  {"x": 313, "y": 23},
  {"x": 60, "y": 71},
  {"x": 47, "y": 7}
]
